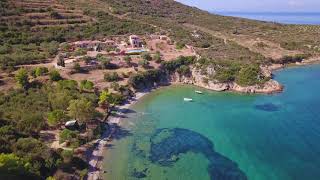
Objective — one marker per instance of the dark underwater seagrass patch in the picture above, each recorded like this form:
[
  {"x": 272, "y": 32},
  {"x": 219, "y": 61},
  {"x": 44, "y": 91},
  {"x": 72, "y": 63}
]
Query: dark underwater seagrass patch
[{"x": 269, "y": 107}]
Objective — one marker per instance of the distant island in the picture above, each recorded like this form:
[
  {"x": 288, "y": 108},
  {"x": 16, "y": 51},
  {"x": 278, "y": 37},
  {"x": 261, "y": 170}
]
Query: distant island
[{"x": 67, "y": 65}]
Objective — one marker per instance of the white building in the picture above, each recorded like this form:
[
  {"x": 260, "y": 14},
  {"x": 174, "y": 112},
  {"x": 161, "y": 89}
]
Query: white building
[{"x": 135, "y": 41}]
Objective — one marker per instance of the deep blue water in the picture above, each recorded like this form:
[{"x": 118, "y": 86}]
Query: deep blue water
[
  {"x": 223, "y": 135},
  {"x": 286, "y": 18}
]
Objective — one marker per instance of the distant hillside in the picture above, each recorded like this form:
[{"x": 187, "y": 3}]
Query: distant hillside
[
  {"x": 28, "y": 23},
  {"x": 31, "y": 30},
  {"x": 40, "y": 14},
  {"x": 301, "y": 38}
]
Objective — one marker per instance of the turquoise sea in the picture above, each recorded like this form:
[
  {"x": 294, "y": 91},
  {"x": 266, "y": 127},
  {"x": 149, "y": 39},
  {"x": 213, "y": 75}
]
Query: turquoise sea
[
  {"x": 222, "y": 135},
  {"x": 311, "y": 18}
]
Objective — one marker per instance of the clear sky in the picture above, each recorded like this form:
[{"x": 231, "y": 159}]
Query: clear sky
[{"x": 256, "y": 5}]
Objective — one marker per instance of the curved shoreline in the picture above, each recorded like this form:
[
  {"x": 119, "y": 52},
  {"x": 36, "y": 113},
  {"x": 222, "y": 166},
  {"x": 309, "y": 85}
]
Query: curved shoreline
[{"x": 95, "y": 162}]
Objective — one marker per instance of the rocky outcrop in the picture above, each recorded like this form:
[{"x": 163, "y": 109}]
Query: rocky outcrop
[
  {"x": 270, "y": 86},
  {"x": 198, "y": 79}
]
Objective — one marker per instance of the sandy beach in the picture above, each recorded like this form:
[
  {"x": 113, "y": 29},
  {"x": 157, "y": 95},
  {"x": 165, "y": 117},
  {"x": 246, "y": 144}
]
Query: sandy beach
[{"x": 96, "y": 157}]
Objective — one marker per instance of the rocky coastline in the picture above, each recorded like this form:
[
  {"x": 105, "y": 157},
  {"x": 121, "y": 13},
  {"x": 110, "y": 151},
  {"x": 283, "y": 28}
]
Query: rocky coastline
[
  {"x": 197, "y": 79},
  {"x": 269, "y": 87},
  {"x": 194, "y": 78}
]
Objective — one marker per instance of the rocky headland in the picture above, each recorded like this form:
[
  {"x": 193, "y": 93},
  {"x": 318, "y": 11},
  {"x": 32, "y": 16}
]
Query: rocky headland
[{"x": 198, "y": 79}]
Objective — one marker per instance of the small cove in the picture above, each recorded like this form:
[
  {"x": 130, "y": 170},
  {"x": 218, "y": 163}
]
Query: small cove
[{"x": 259, "y": 136}]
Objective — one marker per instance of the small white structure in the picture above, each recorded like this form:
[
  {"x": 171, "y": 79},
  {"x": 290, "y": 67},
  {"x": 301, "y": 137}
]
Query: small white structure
[
  {"x": 71, "y": 123},
  {"x": 135, "y": 41},
  {"x": 187, "y": 99}
]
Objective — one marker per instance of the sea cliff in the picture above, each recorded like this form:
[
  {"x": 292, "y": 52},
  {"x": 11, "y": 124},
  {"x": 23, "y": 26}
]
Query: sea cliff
[{"x": 198, "y": 79}]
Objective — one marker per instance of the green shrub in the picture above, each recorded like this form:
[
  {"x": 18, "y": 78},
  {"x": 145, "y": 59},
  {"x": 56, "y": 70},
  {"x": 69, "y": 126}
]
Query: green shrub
[
  {"x": 55, "y": 75},
  {"x": 225, "y": 75},
  {"x": 56, "y": 117},
  {"x": 227, "y": 72},
  {"x": 171, "y": 66},
  {"x": 67, "y": 84},
  {"x": 14, "y": 167},
  {"x": 67, "y": 135},
  {"x": 111, "y": 77},
  {"x": 180, "y": 45},
  {"x": 22, "y": 78},
  {"x": 293, "y": 59},
  {"x": 145, "y": 79},
  {"x": 115, "y": 86},
  {"x": 5, "y": 49},
  {"x": 249, "y": 75},
  {"x": 39, "y": 71},
  {"x": 85, "y": 84},
  {"x": 67, "y": 155},
  {"x": 184, "y": 70},
  {"x": 77, "y": 68}
]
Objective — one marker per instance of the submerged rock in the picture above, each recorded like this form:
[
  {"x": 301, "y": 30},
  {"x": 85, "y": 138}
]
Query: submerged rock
[
  {"x": 168, "y": 144},
  {"x": 139, "y": 174},
  {"x": 269, "y": 107}
]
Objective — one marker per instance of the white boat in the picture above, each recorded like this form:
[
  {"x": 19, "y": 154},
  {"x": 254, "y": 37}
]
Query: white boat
[
  {"x": 199, "y": 92},
  {"x": 187, "y": 99}
]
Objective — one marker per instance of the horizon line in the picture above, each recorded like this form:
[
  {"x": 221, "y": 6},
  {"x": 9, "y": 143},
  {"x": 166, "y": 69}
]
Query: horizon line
[{"x": 273, "y": 12}]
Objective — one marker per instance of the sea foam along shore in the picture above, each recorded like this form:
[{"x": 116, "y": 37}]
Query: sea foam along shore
[{"x": 95, "y": 160}]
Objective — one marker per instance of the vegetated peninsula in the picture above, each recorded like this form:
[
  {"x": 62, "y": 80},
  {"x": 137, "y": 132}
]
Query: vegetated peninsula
[{"x": 65, "y": 65}]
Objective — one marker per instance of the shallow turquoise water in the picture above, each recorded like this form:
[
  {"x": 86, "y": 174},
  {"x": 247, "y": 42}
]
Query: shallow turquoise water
[{"x": 268, "y": 136}]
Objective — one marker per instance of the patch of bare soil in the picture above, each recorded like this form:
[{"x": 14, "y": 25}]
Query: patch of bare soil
[
  {"x": 264, "y": 47},
  {"x": 168, "y": 51},
  {"x": 6, "y": 82}
]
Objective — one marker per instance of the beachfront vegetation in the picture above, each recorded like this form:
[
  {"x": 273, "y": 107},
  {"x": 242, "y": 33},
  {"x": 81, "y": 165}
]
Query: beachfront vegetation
[
  {"x": 293, "y": 59},
  {"x": 25, "y": 112},
  {"x": 145, "y": 79},
  {"x": 106, "y": 98},
  {"x": 81, "y": 109}
]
